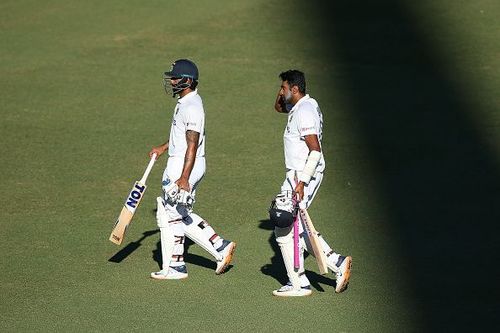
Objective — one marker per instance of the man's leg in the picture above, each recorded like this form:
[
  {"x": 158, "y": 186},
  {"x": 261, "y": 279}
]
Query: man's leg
[
  {"x": 298, "y": 283},
  {"x": 282, "y": 215},
  {"x": 172, "y": 244},
  {"x": 340, "y": 265},
  {"x": 200, "y": 232},
  {"x": 195, "y": 227}
]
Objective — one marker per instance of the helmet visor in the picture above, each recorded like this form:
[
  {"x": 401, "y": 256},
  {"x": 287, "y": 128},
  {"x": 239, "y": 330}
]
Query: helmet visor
[{"x": 174, "y": 85}]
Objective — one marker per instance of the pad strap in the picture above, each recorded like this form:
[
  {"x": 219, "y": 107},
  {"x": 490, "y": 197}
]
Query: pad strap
[{"x": 310, "y": 167}]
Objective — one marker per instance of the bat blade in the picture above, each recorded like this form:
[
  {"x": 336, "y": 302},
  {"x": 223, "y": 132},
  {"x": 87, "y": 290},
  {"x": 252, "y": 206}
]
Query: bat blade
[
  {"x": 121, "y": 225},
  {"x": 131, "y": 203},
  {"x": 315, "y": 244}
]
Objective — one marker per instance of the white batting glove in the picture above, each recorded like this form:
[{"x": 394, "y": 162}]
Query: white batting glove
[
  {"x": 171, "y": 193},
  {"x": 185, "y": 198}
]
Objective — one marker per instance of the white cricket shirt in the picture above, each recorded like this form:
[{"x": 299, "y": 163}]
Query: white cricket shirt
[
  {"x": 305, "y": 118},
  {"x": 188, "y": 115}
]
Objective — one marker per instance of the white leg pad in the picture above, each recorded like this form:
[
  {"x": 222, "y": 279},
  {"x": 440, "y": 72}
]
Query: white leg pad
[
  {"x": 161, "y": 213},
  {"x": 167, "y": 239},
  {"x": 284, "y": 238},
  {"x": 193, "y": 231}
]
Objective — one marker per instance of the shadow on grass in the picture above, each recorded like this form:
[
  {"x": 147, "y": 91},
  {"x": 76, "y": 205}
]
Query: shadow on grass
[
  {"x": 276, "y": 269},
  {"x": 131, "y": 247},
  {"x": 435, "y": 168}
]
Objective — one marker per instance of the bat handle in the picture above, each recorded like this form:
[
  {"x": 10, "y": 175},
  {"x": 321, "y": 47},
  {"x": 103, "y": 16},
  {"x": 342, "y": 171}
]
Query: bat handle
[
  {"x": 148, "y": 169},
  {"x": 296, "y": 260}
]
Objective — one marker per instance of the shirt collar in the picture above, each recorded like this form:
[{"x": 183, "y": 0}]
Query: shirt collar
[
  {"x": 305, "y": 97},
  {"x": 187, "y": 96}
]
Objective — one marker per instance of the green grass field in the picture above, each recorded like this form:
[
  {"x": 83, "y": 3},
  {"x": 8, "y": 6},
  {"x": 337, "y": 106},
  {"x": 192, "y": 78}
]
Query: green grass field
[{"x": 409, "y": 93}]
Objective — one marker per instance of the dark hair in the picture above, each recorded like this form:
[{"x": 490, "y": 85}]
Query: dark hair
[
  {"x": 194, "y": 84},
  {"x": 295, "y": 78}
]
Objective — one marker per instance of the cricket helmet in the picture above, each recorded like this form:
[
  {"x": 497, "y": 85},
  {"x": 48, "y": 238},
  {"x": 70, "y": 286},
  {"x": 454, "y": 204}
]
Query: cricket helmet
[
  {"x": 281, "y": 218},
  {"x": 186, "y": 71},
  {"x": 283, "y": 211}
]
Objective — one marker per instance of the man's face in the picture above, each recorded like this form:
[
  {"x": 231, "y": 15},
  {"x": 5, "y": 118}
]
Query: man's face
[
  {"x": 176, "y": 85},
  {"x": 286, "y": 92},
  {"x": 174, "y": 81}
]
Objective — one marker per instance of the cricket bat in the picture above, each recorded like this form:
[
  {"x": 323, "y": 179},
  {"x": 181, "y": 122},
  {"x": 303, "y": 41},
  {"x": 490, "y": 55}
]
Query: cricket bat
[
  {"x": 314, "y": 240},
  {"x": 131, "y": 203}
]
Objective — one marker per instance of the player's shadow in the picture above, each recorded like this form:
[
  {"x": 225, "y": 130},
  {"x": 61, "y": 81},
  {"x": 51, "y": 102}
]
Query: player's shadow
[
  {"x": 276, "y": 269},
  {"x": 131, "y": 247},
  {"x": 189, "y": 258}
]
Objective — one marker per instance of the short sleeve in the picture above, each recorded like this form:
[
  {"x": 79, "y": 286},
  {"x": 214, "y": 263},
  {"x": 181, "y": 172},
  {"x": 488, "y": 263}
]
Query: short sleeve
[
  {"x": 307, "y": 123},
  {"x": 194, "y": 119}
]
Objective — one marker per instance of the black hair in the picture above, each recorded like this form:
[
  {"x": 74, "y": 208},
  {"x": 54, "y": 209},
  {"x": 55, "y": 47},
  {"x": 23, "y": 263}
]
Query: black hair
[
  {"x": 295, "y": 78},
  {"x": 194, "y": 84}
]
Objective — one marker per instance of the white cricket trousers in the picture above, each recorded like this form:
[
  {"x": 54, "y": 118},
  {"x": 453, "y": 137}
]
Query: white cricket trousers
[{"x": 310, "y": 189}]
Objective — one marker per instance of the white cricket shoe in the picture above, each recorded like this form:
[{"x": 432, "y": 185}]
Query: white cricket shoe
[
  {"x": 227, "y": 251},
  {"x": 172, "y": 273},
  {"x": 288, "y": 291},
  {"x": 343, "y": 273}
]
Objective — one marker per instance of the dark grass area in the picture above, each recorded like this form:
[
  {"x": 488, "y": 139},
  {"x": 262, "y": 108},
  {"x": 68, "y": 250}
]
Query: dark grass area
[{"x": 437, "y": 171}]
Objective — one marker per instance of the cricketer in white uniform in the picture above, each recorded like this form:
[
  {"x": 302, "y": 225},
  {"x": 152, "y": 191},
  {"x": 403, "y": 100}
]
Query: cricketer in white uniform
[
  {"x": 185, "y": 169},
  {"x": 305, "y": 164}
]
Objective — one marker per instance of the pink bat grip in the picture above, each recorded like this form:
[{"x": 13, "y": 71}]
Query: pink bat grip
[{"x": 296, "y": 262}]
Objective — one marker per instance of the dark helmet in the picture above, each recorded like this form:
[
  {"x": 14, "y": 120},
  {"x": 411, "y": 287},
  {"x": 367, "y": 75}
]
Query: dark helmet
[
  {"x": 282, "y": 218},
  {"x": 182, "y": 69}
]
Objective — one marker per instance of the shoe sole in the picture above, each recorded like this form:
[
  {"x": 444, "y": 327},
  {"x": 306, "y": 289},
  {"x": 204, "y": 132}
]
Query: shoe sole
[
  {"x": 346, "y": 276},
  {"x": 168, "y": 278},
  {"x": 228, "y": 260},
  {"x": 291, "y": 294}
]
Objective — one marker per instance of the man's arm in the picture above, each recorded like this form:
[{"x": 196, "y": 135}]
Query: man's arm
[
  {"x": 312, "y": 143},
  {"x": 159, "y": 150},
  {"x": 192, "y": 139}
]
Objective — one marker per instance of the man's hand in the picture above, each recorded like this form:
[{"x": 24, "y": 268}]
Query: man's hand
[
  {"x": 183, "y": 184},
  {"x": 159, "y": 150},
  {"x": 299, "y": 190},
  {"x": 280, "y": 105}
]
